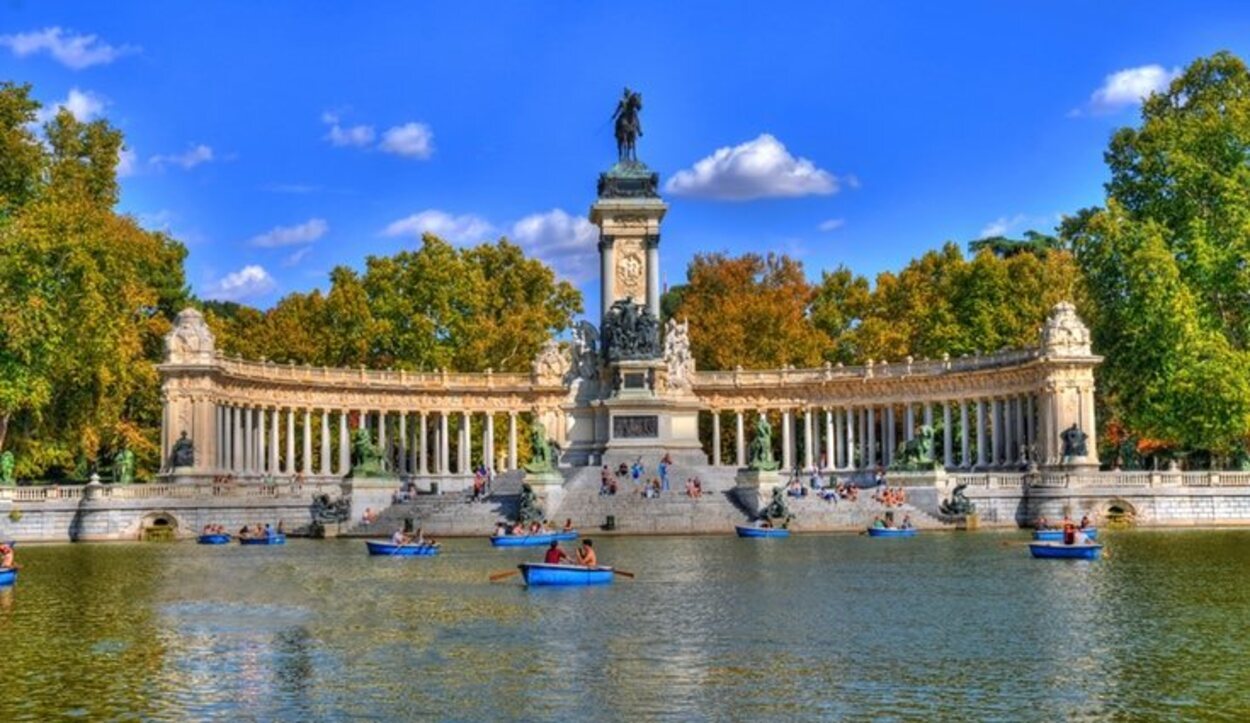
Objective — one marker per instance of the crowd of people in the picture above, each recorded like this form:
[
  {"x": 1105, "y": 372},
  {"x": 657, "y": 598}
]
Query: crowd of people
[
  {"x": 214, "y": 529},
  {"x": 890, "y": 496},
  {"x": 610, "y": 481},
  {"x": 503, "y": 529},
  {"x": 248, "y": 532}
]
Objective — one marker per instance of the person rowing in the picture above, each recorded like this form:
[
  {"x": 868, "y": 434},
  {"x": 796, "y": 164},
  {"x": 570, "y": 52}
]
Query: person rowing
[
  {"x": 6, "y": 556},
  {"x": 555, "y": 555},
  {"x": 586, "y": 554},
  {"x": 400, "y": 539}
]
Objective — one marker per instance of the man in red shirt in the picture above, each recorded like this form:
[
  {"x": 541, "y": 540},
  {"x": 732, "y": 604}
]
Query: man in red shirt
[{"x": 555, "y": 555}]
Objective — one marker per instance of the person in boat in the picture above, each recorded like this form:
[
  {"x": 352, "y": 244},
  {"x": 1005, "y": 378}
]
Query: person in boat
[
  {"x": 536, "y": 528},
  {"x": 878, "y": 523},
  {"x": 518, "y": 528},
  {"x": 1042, "y": 523},
  {"x": 568, "y": 524},
  {"x": 1069, "y": 532},
  {"x": 1085, "y": 522},
  {"x": 765, "y": 523},
  {"x": 907, "y": 524},
  {"x": 586, "y": 554},
  {"x": 555, "y": 555},
  {"x": 281, "y": 528},
  {"x": 268, "y": 530},
  {"x": 500, "y": 530},
  {"x": 6, "y": 555},
  {"x": 245, "y": 531},
  {"x": 399, "y": 538}
]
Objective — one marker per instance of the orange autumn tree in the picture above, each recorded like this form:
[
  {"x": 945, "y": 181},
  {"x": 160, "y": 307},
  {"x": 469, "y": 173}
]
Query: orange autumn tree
[{"x": 749, "y": 311}]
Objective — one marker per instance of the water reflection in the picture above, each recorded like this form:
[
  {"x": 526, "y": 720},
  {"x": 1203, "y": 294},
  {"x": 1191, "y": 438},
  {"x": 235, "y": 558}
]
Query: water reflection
[{"x": 811, "y": 627}]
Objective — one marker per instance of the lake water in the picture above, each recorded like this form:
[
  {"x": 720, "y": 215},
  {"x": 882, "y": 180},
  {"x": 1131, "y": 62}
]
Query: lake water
[{"x": 946, "y": 625}]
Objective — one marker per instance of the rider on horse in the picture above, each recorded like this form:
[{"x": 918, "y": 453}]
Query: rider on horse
[{"x": 628, "y": 126}]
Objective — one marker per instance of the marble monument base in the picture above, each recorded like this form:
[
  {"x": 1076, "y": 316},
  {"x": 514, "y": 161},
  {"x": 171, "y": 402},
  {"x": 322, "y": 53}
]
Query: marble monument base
[
  {"x": 755, "y": 487},
  {"x": 548, "y": 487}
]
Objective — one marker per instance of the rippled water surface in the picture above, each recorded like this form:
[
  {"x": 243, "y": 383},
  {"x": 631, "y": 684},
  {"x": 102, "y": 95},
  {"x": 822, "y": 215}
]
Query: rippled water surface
[{"x": 942, "y": 626}]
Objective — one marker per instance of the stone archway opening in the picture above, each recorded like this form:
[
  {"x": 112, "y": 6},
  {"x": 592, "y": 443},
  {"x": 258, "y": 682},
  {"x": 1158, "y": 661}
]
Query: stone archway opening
[
  {"x": 159, "y": 527},
  {"x": 1119, "y": 513}
]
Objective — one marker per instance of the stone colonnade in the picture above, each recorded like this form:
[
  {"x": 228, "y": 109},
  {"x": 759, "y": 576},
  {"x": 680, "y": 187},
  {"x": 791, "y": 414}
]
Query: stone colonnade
[
  {"x": 973, "y": 433},
  {"x": 306, "y": 441}
]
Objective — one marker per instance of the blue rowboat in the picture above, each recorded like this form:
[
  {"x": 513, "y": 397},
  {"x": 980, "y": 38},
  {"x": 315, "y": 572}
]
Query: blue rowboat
[
  {"x": 545, "y": 538},
  {"x": 408, "y": 550},
  {"x": 274, "y": 539},
  {"x": 757, "y": 532},
  {"x": 892, "y": 532},
  {"x": 1057, "y": 535},
  {"x": 1058, "y": 550},
  {"x": 8, "y": 576},
  {"x": 566, "y": 536},
  {"x": 214, "y": 539},
  {"x": 541, "y": 573}
]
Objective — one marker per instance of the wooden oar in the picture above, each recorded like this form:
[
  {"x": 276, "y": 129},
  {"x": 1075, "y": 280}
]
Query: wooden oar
[
  {"x": 496, "y": 577},
  {"x": 398, "y": 547},
  {"x": 622, "y": 573}
]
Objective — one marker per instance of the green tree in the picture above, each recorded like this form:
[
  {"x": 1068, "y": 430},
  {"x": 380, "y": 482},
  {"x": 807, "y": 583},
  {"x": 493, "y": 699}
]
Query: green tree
[
  {"x": 1165, "y": 263},
  {"x": 88, "y": 296}
]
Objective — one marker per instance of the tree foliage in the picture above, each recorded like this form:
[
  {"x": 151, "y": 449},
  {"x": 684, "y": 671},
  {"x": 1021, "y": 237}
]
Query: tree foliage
[
  {"x": 88, "y": 295},
  {"x": 438, "y": 307},
  {"x": 1167, "y": 264}
]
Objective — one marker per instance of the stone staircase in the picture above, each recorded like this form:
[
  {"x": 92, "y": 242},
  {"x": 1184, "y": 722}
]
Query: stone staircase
[{"x": 717, "y": 511}]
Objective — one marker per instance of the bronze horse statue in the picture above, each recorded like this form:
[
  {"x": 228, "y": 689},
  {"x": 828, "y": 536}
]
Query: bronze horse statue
[{"x": 628, "y": 126}]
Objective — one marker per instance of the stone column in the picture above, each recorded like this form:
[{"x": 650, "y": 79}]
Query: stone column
[
  {"x": 1009, "y": 424},
  {"x": 1021, "y": 438},
  {"x": 833, "y": 433},
  {"x": 325, "y": 443},
  {"x": 288, "y": 466},
  {"x": 996, "y": 433},
  {"x": 928, "y": 414},
  {"x": 982, "y": 425},
  {"x": 247, "y": 438},
  {"x": 220, "y": 461},
  {"x": 888, "y": 437},
  {"x": 850, "y": 438},
  {"x": 787, "y": 440},
  {"x": 274, "y": 469},
  {"x": 444, "y": 451},
  {"x": 512, "y": 456},
  {"x": 402, "y": 464},
  {"x": 262, "y": 453},
  {"x": 607, "y": 276},
  {"x": 870, "y": 454},
  {"x": 1030, "y": 427},
  {"x": 809, "y": 439},
  {"x": 345, "y": 445},
  {"x": 948, "y": 436},
  {"x": 909, "y": 422},
  {"x": 965, "y": 436},
  {"x": 740, "y": 444},
  {"x": 306, "y": 463},
  {"x": 423, "y": 466},
  {"x": 383, "y": 447},
  {"x": 715, "y": 437},
  {"x": 653, "y": 274},
  {"x": 488, "y": 442},
  {"x": 466, "y": 446}
]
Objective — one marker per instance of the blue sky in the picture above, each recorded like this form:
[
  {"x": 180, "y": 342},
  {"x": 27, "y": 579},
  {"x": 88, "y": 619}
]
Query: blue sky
[{"x": 280, "y": 139}]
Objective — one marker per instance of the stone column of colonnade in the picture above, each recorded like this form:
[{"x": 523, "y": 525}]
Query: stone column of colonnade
[
  {"x": 971, "y": 433},
  {"x": 277, "y": 441}
]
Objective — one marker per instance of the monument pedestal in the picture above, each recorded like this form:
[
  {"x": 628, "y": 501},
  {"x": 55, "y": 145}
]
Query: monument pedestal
[
  {"x": 755, "y": 487},
  {"x": 548, "y": 487}
]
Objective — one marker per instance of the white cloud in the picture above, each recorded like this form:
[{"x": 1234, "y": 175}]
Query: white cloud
[
  {"x": 1130, "y": 86},
  {"x": 193, "y": 157},
  {"x": 761, "y": 168},
  {"x": 301, "y": 233},
  {"x": 247, "y": 282},
  {"x": 1002, "y": 225},
  {"x": 69, "y": 49},
  {"x": 358, "y": 136},
  {"x": 296, "y": 257},
  {"x": 411, "y": 140},
  {"x": 84, "y": 105},
  {"x": 464, "y": 229},
  {"x": 569, "y": 244},
  {"x": 161, "y": 220},
  {"x": 127, "y": 162},
  {"x": 832, "y": 224}
]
